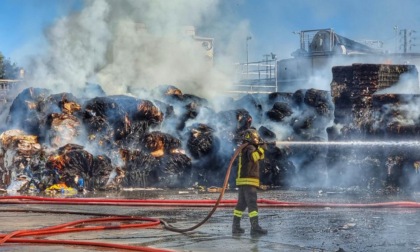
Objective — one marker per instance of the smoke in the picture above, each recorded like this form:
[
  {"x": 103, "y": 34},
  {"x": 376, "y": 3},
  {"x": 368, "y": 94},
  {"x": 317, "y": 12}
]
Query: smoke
[
  {"x": 128, "y": 46},
  {"x": 77, "y": 47}
]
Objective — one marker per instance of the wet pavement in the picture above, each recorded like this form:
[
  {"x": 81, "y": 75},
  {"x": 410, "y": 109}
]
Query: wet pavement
[{"x": 289, "y": 228}]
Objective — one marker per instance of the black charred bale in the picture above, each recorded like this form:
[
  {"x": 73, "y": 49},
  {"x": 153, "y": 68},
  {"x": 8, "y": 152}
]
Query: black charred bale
[
  {"x": 102, "y": 114},
  {"x": 159, "y": 143},
  {"x": 304, "y": 126},
  {"x": 320, "y": 100},
  {"x": 187, "y": 106},
  {"x": 174, "y": 171},
  {"x": 160, "y": 165},
  {"x": 65, "y": 103},
  {"x": 317, "y": 113},
  {"x": 252, "y": 104},
  {"x": 276, "y": 169},
  {"x": 279, "y": 111},
  {"x": 140, "y": 116},
  {"x": 25, "y": 110},
  {"x": 202, "y": 141},
  {"x": 141, "y": 169},
  {"x": 266, "y": 134},
  {"x": 103, "y": 175},
  {"x": 72, "y": 162},
  {"x": 168, "y": 93},
  {"x": 204, "y": 147},
  {"x": 298, "y": 97},
  {"x": 148, "y": 112},
  {"x": 122, "y": 119}
]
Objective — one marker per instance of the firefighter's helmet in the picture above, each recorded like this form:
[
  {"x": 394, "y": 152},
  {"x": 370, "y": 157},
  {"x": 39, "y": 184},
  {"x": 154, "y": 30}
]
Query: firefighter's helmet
[{"x": 252, "y": 136}]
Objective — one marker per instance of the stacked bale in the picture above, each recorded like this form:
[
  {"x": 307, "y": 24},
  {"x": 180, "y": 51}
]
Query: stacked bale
[
  {"x": 363, "y": 115},
  {"x": 352, "y": 90},
  {"x": 393, "y": 116}
]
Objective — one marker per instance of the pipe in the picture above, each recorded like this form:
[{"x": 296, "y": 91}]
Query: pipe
[
  {"x": 264, "y": 203},
  {"x": 76, "y": 226},
  {"x": 225, "y": 183}
]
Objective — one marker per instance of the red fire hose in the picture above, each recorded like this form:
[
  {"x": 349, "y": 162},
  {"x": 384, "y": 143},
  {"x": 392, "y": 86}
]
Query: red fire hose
[
  {"x": 80, "y": 225},
  {"x": 264, "y": 203}
]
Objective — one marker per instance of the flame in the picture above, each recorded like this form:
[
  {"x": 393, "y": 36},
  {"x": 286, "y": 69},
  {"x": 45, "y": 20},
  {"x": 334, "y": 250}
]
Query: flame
[
  {"x": 71, "y": 107},
  {"x": 57, "y": 161}
]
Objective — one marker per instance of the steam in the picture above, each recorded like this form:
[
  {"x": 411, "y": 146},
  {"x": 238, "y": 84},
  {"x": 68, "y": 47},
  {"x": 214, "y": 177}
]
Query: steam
[
  {"x": 128, "y": 46},
  {"x": 407, "y": 84},
  {"x": 77, "y": 49}
]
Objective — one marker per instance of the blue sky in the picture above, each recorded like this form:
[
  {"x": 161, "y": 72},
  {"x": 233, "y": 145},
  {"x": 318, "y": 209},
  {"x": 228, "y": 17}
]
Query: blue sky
[
  {"x": 270, "y": 22},
  {"x": 23, "y": 21},
  {"x": 273, "y": 21}
]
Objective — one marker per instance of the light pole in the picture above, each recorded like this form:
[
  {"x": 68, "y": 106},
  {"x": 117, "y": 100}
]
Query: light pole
[
  {"x": 396, "y": 38},
  {"x": 247, "y": 38}
]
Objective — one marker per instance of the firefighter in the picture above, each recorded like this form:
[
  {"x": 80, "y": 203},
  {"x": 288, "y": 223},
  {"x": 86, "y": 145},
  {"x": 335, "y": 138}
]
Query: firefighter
[{"x": 248, "y": 181}]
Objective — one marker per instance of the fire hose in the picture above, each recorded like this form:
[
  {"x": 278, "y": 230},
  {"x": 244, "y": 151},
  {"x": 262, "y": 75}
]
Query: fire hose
[
  {"x": 80, "y": 225},
  {"x": 225, "y": 183}
]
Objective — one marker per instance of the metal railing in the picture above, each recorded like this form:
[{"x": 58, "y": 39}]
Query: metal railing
[
  {"x": 255, "y": 77},
  {"x": 5, "y": 87}
]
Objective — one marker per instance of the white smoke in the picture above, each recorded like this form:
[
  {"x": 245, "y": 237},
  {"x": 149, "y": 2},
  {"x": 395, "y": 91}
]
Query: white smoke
[
  {"x": 77, "y": 47},
  {"x": 127, "y": 46}
]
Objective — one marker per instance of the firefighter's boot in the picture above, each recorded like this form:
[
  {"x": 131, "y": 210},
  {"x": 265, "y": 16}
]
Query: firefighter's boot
[
  {"x": 236, "y": 226},
  {"x": 255, "y": 227}
]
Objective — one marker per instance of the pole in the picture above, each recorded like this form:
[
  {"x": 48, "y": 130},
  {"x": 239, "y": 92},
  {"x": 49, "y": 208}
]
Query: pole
[{"x": 247, "y": 61}]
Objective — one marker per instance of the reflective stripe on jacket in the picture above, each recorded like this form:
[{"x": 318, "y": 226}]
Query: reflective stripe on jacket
[{"x": 248, "y": 166}]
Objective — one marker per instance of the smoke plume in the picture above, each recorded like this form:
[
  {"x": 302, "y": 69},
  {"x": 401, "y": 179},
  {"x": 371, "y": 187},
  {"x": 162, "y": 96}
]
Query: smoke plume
[{"x": 127, "y": 46}]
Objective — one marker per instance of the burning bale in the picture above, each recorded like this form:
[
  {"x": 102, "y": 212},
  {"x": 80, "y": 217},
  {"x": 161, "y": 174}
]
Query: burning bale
[
  {"x": 160, "y": 162},
  {"x": 172, "y": 139},
  {"x": 25, "y": 111},
  {"x": 115, "y": 121},
  {"x": 77, "y": 168},
  {"x": 279, "y": 111},
  {"x": 63, "y": 129},
  {"x": 20, "y": 156},
  {"x": 203, "y": 145}
]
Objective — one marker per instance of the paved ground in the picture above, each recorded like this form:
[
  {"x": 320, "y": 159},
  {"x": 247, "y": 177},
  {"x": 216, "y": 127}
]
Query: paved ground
[{"x": 290, "y": 229}]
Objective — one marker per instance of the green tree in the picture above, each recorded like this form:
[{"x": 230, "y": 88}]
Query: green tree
[
  {"x": 2, "y": 75},
  {"x": 8, "y": 70}
]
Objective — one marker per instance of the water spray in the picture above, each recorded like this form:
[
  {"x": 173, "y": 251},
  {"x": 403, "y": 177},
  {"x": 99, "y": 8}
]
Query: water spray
[{"x": 348, "y": 143}]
